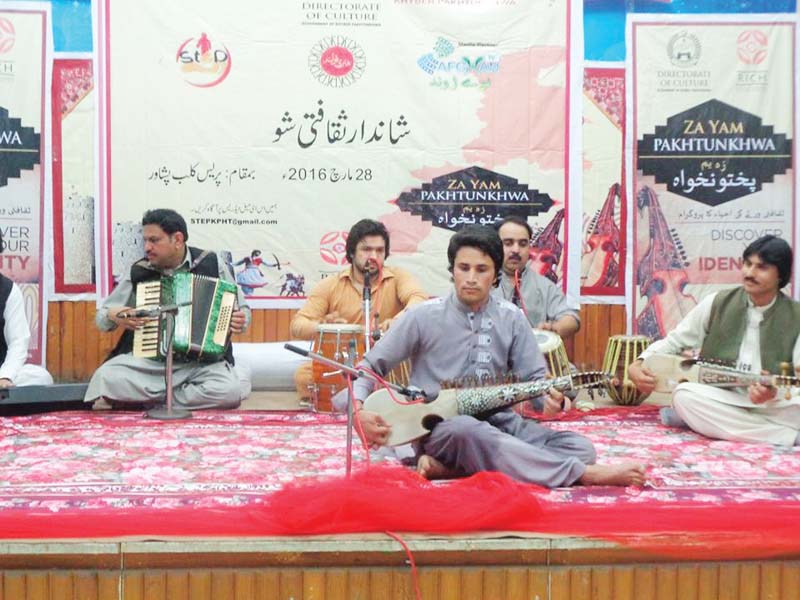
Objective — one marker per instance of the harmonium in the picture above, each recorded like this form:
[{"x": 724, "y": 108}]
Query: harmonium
[{"x": 202, "y": 326}]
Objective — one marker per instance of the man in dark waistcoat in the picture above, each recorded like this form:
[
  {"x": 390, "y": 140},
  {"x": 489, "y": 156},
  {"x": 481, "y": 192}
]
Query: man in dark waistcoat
[
  {"x": 755, "y": 326},
  {"x": 125, "y": 378}
]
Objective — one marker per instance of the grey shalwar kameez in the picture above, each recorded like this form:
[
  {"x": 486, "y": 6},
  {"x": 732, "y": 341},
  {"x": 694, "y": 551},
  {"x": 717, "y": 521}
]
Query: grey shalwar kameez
[
  {"x": 127, "y": 378},
  {"x": 445, "y": 340}
]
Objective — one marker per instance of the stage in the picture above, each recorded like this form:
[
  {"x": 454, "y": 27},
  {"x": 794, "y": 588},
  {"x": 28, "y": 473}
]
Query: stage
[{"x": 108, "y": 505}]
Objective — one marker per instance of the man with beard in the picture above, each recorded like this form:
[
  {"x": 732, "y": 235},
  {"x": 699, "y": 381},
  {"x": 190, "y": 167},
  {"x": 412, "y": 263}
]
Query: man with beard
[
  {"x": 754, "y": 325},
  {"x": 540, "y": 299},
  {"x": 338, "y": 298}
]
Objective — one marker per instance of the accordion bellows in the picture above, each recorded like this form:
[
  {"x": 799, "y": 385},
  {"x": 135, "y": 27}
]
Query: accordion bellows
[{"x": 201, "y": 329}]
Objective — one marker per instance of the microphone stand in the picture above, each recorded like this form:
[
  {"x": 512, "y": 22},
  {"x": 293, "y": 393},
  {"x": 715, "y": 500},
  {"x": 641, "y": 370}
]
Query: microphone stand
[
  {"x": 350, "y": 410},
  {"x": 367, "y": 302},
  {"x": 352, "y": 371},
  {"x": 167, "y": 413}
]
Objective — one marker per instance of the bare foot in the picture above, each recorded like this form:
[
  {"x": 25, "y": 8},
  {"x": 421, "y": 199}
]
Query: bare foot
[
  {"x": 624, "y": 474},
  {"x": 430, "y": 468}
]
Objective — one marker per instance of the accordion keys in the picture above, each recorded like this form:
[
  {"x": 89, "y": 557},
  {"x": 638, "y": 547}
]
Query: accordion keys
[
  {"x": 201, "y": 330},
  {"x": 145, "y": 339}
]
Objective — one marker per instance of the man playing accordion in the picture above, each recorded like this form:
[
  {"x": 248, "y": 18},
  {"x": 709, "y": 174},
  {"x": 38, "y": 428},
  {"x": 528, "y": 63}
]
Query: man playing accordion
[{"x": 129, "y": 380}]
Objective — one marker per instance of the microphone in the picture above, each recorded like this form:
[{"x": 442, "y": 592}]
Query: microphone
[
  {"x": 296, "y": 349},
  {"x": 367, "y": 293},
  {"x": 376, "y": 331},
  {"x": 152, "y": 313}
]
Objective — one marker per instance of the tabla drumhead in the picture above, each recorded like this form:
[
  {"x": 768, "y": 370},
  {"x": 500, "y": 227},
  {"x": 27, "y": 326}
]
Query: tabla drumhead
[
  {"x": 547, "y": 340},
  {"x": 339, "y": 328}
]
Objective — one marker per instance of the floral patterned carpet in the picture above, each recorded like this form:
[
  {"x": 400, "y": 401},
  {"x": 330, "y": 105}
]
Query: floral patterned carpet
[
  {"x": 82, "y": 464},
  {"x": 681, "y": 464},
  {"x": 85, "y": 460}
]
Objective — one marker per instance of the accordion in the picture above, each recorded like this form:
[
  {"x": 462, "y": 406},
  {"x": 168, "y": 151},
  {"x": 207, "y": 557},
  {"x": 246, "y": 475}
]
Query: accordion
[{"x": 201, "y": 328}]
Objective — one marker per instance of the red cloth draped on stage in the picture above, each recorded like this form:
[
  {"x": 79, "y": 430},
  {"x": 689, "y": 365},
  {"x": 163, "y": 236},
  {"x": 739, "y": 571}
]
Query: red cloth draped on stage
[
  {"x": 392, "y": 498},
  {"x": 388, "y": 498},
  {"x": 255, "y": 474}
]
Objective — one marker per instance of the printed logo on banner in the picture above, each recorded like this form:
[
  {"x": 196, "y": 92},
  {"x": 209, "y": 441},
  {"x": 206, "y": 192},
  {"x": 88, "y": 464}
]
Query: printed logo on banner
[
  {"x": 19, "y": 147},
  {"x": 202, "y": 62},
  {"x": 341, "y": 14},
  {"x": 684, "y": 49},
  {"x": 473, "y": 196},
  {"x": 751, "y": 50},
  {"x": 332, "y": 248},
  {"x": 449, "y": 71},
  {"x": 714, "y": 153},
  {"x": 7, "y": 35},
  {"x": 337, "y": 61},
  {"x": 751, "y": 47}
]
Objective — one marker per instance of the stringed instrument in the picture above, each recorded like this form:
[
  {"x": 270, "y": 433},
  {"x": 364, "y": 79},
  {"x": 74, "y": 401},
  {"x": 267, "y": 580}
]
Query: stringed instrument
[
  {"x": 671, "y": 370},
  {"x": 599, "y": 264},
  {"x": 411, "y": 421},
  {"x": 546, "y": 249},
  {"x": 661, "y": 273}
]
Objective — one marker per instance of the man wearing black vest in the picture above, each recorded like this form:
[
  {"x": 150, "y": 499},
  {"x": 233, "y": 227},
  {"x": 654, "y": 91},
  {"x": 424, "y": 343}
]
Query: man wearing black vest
[
  {"x": 128, "y": 380},
  {"x": 14, "y": 338},
  {"x": 755, "y": 326}
]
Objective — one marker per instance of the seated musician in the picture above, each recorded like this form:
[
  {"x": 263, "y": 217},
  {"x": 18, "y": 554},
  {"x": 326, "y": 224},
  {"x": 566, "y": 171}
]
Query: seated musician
[
  {"x": 14, "y": 338},
  {"x": 338, "y": 298},
  {"x": 755, "y": 326},
  {"x": 540, "y": 299},
  {"x": 470, "y": 333},
  {"x": 124, "y": 378}
]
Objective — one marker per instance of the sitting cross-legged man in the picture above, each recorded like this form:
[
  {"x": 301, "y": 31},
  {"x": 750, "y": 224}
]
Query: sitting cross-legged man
[{"x": 125, "y": 380}]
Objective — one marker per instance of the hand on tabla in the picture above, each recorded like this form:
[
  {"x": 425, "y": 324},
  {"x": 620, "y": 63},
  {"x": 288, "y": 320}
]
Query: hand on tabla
[{"x": 333, "y": 317}]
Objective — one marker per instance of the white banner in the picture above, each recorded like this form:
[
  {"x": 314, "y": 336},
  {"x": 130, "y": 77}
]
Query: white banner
[
  {"x": 25, "y": 47},
  {"x": 274, "y": 127},
  {"x": 714, "y": 124}
]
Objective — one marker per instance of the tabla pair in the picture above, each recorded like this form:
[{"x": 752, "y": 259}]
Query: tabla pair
[{"x": 621, "y": 351}]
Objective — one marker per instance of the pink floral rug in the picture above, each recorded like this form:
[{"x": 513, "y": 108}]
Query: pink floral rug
[
  {"x": 73, "y": 464},
  {"x": 99, "y": 460},
  {"x": 681, "y": 464}
]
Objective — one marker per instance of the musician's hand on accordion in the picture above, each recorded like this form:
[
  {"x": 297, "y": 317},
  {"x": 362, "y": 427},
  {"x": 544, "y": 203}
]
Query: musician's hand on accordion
[
  {"x": 238, "y": 321},
  {"x": 124, "y": 317}
]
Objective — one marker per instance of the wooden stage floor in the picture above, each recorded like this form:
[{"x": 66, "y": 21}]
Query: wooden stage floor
[{"x": 491, "y": 565}]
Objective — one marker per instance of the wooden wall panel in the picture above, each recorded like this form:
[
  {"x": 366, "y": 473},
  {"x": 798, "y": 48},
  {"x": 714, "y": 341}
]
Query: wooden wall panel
[
  {"x": 75, "y": 347},
  {"x": 732, "y": 581}
]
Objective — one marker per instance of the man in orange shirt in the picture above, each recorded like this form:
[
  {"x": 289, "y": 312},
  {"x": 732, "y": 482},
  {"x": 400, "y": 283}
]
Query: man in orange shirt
[{"x": 338, "y": 298}]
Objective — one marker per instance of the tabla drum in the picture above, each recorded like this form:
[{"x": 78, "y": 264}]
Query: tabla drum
[
  {"x": 555, "y": 354},
  {"x": 621, "y": 351},
  {"x": 333, "y": 341}
]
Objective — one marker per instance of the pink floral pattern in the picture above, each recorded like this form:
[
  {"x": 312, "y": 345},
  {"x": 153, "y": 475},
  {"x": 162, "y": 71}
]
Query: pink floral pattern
[
  {"x": 83, "y": 462},
  {"x": 75, "y": 83},
  {"x": 682, "y": 465},
  {"x": 606, "y": 87}
]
